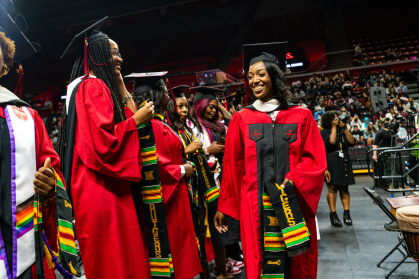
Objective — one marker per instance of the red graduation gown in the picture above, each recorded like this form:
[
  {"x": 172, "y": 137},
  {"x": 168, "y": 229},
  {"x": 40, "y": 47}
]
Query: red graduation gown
[
  {"x": 180, "y": 228},
  {"x": 44, "y": 149},
  {"x": 239, "y": 189},
  {"x": 106, "y": 156}
]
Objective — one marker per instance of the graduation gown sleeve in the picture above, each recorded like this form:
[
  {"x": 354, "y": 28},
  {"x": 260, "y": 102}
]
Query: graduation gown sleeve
[
  {"x": 109, "y": 148},
  {"x": 234, "y": 170},
  {"x": 307, "y": 169}
]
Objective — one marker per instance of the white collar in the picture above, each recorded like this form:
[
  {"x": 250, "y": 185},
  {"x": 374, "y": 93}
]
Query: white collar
[
  {"x": 268, "y": 106},
  {"x": 6, "y": 95}
]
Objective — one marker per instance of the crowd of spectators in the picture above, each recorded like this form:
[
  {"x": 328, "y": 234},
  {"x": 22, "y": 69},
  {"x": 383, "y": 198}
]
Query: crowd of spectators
[
  {"x": 341, "y": 92},
  {"x": 52, "y": 125},
  {"x": 350, "y": 95}
]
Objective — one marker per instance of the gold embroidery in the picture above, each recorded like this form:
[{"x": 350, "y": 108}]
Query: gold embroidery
[
  {"x": 278, "y": 262},
  {"x": 149, "y": 175},
  {"x": 73, "y": 271},
  {"x": 273, "y": 221},
  {"x": 145, "y": 137},
  {"x": 67, "y": 204},
  {"x": 155, "y": 231},
  {"x": 286, "y": 206}
]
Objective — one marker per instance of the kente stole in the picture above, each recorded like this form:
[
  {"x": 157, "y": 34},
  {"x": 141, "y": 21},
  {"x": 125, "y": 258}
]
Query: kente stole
[
  {"x": 149, "y": 188},
  {"x": 68, "y": 264},
  {"x": 285, "y": 231},
  {"x": 205, "y": 189}
]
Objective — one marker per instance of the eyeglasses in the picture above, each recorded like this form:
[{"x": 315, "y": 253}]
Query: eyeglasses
[{"x": 116, "y": 53}]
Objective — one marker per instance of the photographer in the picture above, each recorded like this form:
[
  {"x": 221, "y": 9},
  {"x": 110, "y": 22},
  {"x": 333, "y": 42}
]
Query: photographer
[
  {"x": 383, "y": 139},
  {"x": 337, "y": 138}
]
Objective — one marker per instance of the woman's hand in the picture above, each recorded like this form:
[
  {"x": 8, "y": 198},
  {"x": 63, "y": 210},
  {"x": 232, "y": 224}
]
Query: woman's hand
[
  {"x": 216, "y": 168},
  {"x": 119, "y": 78},
  {"x": 342, "y": 125},
  {"x": 328, "y": 176},
  {"x": 188, "y": 170},
  {"x": 44, "y": 182},
  {"x": 215, "y": 148},
  {"x": 286, "y": 181},
  {"x": 219, "y": 222},
  {"x": 144, "y": 114},
  {"x": 193, "y": 146}
]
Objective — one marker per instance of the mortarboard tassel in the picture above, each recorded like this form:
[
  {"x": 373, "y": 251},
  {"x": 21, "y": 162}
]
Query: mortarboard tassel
[
  {"x": 18, "y": 90},
  {"x": 86, "y": 65},
  {"x": 173, "y": 95},
  {"x": 247, "y": 88},
  {"x": 225, "y": 103}
]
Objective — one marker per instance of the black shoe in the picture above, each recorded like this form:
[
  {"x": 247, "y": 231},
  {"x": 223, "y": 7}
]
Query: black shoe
[
  {"x": 335, "y": 220},
  {"x": 347, "y": 218}
]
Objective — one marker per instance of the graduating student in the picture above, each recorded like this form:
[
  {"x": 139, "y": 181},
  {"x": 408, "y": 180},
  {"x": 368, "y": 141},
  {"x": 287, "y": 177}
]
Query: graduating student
[
  {"x": 172, "y": 171},
  {"x": 101, "y": 152},
  {"x": 204, "y": 188},
  {"x": 209, "y": 129},
  {"x": 32, "y": 190},
  {"x": 273, "y": 173}
]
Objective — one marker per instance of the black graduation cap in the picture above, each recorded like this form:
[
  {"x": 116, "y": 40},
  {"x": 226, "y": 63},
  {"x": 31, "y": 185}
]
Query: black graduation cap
[
  {"x": 77, "y": 43},
  {"x": 274, "y": 52},
  {"x": 204, "y": 92},
  {"x": 177, "y": 91},
  {"x": 144, "y": 82},
  {"x": 24, "y": 47}
]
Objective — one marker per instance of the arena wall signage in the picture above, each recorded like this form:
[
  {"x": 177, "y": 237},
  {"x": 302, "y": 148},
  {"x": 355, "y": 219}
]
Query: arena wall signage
[{"x": 296, "y": 59}]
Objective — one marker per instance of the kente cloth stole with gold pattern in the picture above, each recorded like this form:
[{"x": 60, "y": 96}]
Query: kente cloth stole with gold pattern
[
  {"x": 285, "y": 231},
  {"x": 68, "y": 264},
  {"x": 149, "y": 188},
  {"x": 203, "y": 190}
]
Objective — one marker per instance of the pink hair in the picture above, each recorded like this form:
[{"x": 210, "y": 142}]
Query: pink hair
[{"x": 197, "y": 112}]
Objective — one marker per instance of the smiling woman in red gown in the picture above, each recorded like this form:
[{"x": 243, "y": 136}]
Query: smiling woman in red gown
[
  {"x": 102, "y": 154},
  {"x": 272, "y": 141}
]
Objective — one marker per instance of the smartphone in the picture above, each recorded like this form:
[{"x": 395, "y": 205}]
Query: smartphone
[{"x": 221, "y": 141}]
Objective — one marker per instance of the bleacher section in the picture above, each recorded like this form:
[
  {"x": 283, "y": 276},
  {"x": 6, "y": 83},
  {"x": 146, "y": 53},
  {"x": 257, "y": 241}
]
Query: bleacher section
[{"x": 379, "y": 25}]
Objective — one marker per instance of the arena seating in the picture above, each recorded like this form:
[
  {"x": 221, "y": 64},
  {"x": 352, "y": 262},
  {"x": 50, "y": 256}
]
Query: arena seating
[{"x": 378, "y": 26}]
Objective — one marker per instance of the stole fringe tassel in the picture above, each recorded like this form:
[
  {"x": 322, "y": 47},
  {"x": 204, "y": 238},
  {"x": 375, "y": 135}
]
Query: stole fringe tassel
[{"x": 52, "y": 258}]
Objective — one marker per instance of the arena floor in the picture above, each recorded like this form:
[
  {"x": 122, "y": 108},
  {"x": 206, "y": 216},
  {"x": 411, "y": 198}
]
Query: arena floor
[{"x": 353, "y": 252}]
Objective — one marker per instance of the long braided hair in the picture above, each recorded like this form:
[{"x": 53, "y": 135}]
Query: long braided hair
[{"x": 101, "y": 63}]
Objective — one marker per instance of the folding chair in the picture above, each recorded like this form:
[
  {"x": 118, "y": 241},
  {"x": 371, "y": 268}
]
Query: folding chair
[{"x": 379, "y": 201}]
